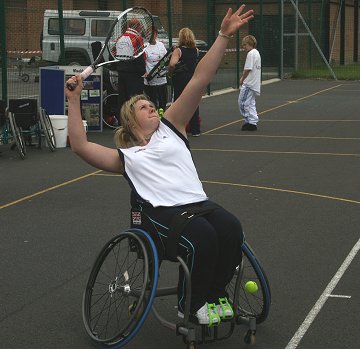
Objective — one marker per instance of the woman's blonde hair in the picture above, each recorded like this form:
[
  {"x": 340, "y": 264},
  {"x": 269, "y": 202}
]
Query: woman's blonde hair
[
  {"x": 124, "y": 137},
  {"x": 186, "y": 38}
]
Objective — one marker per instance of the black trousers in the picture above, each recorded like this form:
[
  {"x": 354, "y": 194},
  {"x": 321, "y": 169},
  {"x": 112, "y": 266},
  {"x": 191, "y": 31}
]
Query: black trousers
[
  {"x": 129, "y": 84},
  {"x": 179, "y": 83},
  {"x": 157, "y": 95},
  {"x": 210, "y": 245}
]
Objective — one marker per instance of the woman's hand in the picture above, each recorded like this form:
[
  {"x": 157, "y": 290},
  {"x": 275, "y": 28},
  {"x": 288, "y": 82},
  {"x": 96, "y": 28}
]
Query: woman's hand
[
  {"x": 233, "y": 21},
  {"x": 76, "y": 82}
]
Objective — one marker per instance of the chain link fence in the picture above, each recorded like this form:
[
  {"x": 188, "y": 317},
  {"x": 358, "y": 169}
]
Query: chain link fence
[{"x": 296, "y": 38}]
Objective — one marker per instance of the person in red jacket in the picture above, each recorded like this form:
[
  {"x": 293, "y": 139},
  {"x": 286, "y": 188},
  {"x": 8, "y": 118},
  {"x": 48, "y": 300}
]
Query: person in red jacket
[{"x": 130, "y": 72}]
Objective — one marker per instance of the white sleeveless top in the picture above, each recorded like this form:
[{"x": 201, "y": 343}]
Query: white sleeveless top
[{"x": 163, "y": 172}]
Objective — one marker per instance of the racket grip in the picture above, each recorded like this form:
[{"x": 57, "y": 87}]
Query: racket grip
[
  {"x": 84, "y": 74},
  {"x": 87, "y": 72}
]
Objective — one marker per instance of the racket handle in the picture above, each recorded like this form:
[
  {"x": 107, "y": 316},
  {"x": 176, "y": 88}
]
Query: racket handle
[
  {"x": 84, "y": 74},
  {"x": 87, "y": 72}
]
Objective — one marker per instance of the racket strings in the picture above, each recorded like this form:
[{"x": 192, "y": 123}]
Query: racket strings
[{"x": 131, "y": 34}]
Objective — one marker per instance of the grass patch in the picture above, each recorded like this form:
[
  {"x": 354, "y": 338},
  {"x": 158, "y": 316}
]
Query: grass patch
[{"x": 344, "y": 72}]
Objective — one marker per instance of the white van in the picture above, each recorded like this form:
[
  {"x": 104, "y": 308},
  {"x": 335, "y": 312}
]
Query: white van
[{"x": 81, "y": 29}]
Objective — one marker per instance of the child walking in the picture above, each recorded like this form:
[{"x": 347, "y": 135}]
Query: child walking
[{"x": 250, "y": 83}]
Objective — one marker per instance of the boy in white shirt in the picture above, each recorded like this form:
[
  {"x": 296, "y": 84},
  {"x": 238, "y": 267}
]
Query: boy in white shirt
[{"x": 250, "y": 83}]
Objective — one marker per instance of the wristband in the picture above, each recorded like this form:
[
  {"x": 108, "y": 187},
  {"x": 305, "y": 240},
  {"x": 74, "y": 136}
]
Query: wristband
[{"x": 224, "y": 35}]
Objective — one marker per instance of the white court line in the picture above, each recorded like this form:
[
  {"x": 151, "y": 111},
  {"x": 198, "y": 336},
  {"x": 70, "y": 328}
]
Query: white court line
[
  {"x": 337, "y": 296},
  {"x": 232, "y": 89},
  {"x": 295, "y": 340}
]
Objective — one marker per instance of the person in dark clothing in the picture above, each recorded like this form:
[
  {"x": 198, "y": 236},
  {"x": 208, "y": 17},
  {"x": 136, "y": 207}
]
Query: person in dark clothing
[
  {"x": 182, "y": 65},
  {"x": 131, "y": 72}
]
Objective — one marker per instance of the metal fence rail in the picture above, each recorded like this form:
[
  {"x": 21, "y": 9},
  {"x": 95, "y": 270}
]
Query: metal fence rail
[{"x": 318, "y": 38}]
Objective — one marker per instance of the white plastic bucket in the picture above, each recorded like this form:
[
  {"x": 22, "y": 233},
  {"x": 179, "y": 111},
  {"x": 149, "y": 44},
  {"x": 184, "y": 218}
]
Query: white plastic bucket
[
  {"x": 60, "y": 126},
  {"x": 85, "y": 125}
]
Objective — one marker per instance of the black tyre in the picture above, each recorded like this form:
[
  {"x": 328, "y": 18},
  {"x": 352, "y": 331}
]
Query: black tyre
[
  {"x": 110, "y": 105},
  {"x": 47, "y": 129},
  {"x": 25, "y": 77},
  {"x": 120, "y": 289},
  {"x": 76, "y": 58},
  {"x": 17, "y": 136},
  {"x": 255, "y": 304}
]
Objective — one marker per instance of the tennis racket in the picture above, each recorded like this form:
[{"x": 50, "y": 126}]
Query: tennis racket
[
  {"x": 129, "y": 35},
  {"x": 160, "y": 66}
]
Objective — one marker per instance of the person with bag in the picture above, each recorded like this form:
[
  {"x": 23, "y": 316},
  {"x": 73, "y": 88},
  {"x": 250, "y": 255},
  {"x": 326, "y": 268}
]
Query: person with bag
[{"x": 182, "y": 65}]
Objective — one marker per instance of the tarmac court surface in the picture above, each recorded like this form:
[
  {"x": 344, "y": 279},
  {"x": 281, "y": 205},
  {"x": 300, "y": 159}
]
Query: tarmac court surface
[{"x": 294, "y": 184}]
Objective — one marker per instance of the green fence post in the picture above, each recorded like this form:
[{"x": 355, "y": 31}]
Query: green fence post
[
  {"x": 170, "y": 21},
  {"x": 281, "y": 51},
  {"x": 210, "y": 35},
  {"x": 356, "y": 31},
  {"x": 237, "y": 53},
  {"x": 61, "y": 33},
  {"x": 3, "y": 51},
  {"x": 261, "y": 38}
]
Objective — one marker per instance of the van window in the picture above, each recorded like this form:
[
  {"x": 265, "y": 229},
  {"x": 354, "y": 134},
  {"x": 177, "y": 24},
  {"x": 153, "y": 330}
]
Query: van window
[
  {"x": 100, "y": 27},
  {"x": 71, "y": 26}
]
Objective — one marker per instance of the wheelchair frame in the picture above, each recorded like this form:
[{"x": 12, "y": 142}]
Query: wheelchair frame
[
  {"x": 9, "y": 132},
  {"x": 28, "y": 124},
  {"x": 125, "y": 275}
]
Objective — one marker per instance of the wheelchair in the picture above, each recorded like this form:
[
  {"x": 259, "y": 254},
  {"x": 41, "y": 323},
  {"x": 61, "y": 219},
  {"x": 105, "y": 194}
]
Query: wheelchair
[
  {"x": 27, "y": 123},
  {"x": 123, "y": 284},
  {"x": 9, "y": 132}
]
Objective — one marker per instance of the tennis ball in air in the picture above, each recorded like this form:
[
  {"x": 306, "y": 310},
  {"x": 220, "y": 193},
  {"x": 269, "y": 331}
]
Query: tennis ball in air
[{"x": 251, "y": 287}]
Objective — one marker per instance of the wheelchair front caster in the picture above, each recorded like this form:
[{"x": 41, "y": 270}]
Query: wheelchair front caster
[
  {"x": 250, "y": 337},
  {"x": 191, "y": 345}
]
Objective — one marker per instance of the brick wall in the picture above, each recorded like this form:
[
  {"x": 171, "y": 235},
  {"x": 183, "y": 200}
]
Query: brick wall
[{"x": 24, "y": 20}]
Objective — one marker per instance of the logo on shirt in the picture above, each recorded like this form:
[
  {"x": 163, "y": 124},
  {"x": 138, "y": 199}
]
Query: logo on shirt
[{"x": 140, "y": 149}]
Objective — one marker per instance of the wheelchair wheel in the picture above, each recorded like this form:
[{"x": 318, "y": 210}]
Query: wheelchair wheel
[
  {"x": 110, "y": 105},
  {"x": 121, "y": 289},
  {"x": 25, "y": 77},
  {"x": 47, "y": 129},
  {"x": 256, "y": 304},
  {"x": 17, "y": 137}
]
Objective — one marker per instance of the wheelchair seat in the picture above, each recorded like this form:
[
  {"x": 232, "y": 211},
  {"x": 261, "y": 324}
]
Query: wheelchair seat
[{"x": 25, "y": 112}]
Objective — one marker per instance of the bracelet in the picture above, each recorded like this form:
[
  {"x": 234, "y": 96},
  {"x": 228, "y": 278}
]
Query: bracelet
[{"x": 225, "y": 35}]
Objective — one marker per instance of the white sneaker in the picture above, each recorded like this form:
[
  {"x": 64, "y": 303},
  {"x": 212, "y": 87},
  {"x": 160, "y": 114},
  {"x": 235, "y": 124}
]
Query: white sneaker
[
  {"x": 224, "y": 309},
  {"x": 229, "y": 313},
  {"x": 206, "y": 315}
]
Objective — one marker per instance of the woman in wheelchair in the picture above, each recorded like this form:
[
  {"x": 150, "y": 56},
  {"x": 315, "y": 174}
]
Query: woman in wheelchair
[{"x": 154, "y": 156}]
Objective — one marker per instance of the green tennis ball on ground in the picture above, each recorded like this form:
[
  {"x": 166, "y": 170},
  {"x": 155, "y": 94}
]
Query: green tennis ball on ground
[{"x": 251, "y": 287}]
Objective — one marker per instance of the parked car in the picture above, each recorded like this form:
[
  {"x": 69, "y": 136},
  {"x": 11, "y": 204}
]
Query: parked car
[{"x": 81, "y": 29}]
